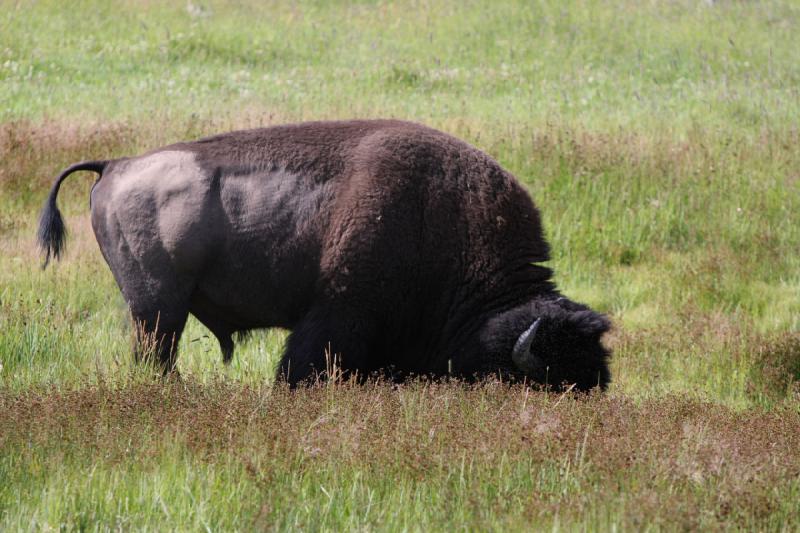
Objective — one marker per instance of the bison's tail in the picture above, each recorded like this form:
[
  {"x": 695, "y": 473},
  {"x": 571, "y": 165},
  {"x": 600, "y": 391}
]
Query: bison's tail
[{"x": 52, "y": 233}]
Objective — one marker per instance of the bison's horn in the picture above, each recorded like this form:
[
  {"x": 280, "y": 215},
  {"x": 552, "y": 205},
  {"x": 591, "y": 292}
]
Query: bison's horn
[{"x": 522, "y": 356}]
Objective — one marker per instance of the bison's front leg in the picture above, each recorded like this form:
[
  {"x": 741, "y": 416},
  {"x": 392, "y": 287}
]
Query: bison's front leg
[{"x": 326, "y": 343}]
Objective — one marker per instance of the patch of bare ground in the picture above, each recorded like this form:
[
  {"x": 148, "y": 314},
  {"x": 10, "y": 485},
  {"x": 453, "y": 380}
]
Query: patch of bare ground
[
  {"x": 22, "y": 246},
  {"x": 672, "y": 459}
]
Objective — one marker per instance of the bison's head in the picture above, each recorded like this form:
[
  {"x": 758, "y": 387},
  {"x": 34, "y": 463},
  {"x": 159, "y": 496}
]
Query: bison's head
[{"x": 552, "y": 341}]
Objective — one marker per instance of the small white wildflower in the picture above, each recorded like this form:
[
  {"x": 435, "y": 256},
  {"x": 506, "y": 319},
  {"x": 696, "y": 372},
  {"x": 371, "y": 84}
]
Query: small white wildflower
[{"x": 197, "y": 11}]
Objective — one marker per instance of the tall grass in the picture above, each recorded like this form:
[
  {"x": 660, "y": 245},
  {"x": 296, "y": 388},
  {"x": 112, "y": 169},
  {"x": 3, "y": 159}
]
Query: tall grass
[{"x": 426, "y": 456}]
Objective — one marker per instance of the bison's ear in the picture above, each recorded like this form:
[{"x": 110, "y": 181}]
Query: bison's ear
[{"x": 590, "y": 323}]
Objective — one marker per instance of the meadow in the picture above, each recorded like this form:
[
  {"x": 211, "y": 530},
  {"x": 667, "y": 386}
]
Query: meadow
[{"x": 660, "y": 141}]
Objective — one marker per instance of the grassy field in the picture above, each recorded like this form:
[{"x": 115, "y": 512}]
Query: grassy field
[{"x": 660, "y": 141}]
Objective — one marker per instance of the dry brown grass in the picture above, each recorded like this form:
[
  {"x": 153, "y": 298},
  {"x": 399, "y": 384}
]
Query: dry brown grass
[
  {"x": 776, "y": 371},
  {"x": 33, "y": 153},
  {"x": 30, "y": 151},
  {"x": 712, "y": 459}
]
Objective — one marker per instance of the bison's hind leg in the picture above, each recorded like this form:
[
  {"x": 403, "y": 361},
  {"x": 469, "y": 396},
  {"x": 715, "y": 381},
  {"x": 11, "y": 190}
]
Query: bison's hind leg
[
  {"x": 158, "y": 332},
  {"x": 159, "y": 307}
]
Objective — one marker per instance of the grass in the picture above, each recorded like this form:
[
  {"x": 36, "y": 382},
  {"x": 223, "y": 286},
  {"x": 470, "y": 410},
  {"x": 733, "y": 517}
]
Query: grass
[
  {"x": 659, "y": 141},
  {"x": 226, "y": 456}
]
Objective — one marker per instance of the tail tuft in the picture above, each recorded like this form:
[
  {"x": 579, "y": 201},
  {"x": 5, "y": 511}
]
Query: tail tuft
[{"x": 52, "y": 234}]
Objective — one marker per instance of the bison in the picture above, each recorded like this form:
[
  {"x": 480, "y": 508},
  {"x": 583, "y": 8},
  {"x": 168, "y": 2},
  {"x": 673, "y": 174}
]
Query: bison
[{"x": 387, "y": 243}]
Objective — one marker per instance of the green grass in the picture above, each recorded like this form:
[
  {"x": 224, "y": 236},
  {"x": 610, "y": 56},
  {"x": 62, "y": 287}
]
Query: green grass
[{"x": 660, "y": 142}]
